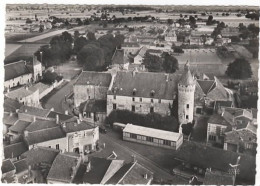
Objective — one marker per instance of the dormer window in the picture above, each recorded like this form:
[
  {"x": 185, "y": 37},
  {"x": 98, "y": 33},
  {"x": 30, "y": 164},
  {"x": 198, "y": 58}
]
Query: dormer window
[
  {"x": 134, "y": 91},
  {"x": 152, "y": 93}
]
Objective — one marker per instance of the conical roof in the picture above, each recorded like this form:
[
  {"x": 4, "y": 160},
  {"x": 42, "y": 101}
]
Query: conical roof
[{"x": 186, "y": 78}]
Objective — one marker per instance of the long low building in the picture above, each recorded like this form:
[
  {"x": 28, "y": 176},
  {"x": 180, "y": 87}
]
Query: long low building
[{"x": 154, "y": 137}]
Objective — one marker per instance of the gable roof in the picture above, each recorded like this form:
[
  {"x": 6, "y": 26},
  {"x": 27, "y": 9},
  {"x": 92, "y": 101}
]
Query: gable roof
[
  {"x": 206, "y": 85},
  {"x": 21, "y": 92},
  {"x": 73, "y": 126},
  {"x": 94, "y": 78},
  {"x": 40, "y": 154},
  {"x": 40, "y": 125},
  {"x": 119, "y": 174},
  {"x": 126, "y": 82},
  {"x": 11, "y": 105},
  {"x": 44, "y": 135},
  {"x": 16, "y": 69},
  {"x": 20, "y": 166},
  {"x": 218, "y": 119},
  {"x": 130, "y": 44},
  {"x": 34, "y": 111},
  {"x": 14, "y": 150},
  {"x": 7, "y": 166},
  {"x": 62, "y": 167},
  {"x": 10, "y": 118},
  {"x": 19, "y": 126},
  {"x": 237, "y": 136}
]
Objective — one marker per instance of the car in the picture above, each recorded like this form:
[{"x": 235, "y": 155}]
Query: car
[{"x": 102, "y": 129}]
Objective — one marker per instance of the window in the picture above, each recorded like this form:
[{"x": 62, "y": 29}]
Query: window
[
  {"x": 159, "y": 101},
  {"x": 88, "y": 97},
  {"x": 126, "y": 134},
  {"x": 57, "y": 146},
  {"x": 114, "y": 96},
  {"x": 212, "y": 138},
  {"x": 149, "y": 139},
  {"x": 141, "y": 100},
  {"x": 133, "y": 108},
  {"x": 160, "y": 141},
  {"x": 151, "y": 100},
  {"x": 187, "y": 117},
  {"x": 133, "y": 99},
  {"x": 49, "y": 146},
  {"x": 134, "y": 136},
  {"x": 187, "y": 106},
  {"x": 166, "y": 142},
  {"x": 114, "y": 106},
  {"x": 139, "y": 137},
  {"x": 155, "y": 140},
  {"x": 151, "y": 110}
]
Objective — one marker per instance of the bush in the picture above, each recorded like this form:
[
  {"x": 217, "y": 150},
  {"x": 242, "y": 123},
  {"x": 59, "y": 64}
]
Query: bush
[
  {"x": 151, "y": 120},
  {"x": 51, "y": 77},
  {"x": 178, "y": 50}
]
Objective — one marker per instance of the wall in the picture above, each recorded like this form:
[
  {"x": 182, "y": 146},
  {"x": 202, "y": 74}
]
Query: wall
[
  {"x": 22, "y": 80},
  {"x": 84, "y": 92},
  {"x": 51, "y": 87},
  {"x": 124, "y": 102},
  {"x": 32, "y": 100},
  {"x": 52, "y": 144},
  {"x": 212, "y": 130}
]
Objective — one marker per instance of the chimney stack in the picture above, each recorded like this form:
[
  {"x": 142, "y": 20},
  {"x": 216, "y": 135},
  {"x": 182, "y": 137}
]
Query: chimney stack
[
  {"x": 25, "y": 110},
  {"x": 80, "y": 116},
  {"x": 78, "y": 121},
  {"x": 26, "y": 87},
  {"x": 10, "y": 114},
  {"x": 145, "y": 176},
  {"x": 34, "y": 118},
  {"x": 88, "y": 167},
  {"x": 66, "y": 112},
  {"x": 17, "y": 110},
  {"x": 52, "y": 109},
  {"x": 57, "y": 119}
]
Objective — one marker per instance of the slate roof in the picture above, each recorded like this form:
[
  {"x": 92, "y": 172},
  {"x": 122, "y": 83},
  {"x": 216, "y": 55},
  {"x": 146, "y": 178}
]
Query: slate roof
[
  {"x": 62, "y": 117},
  {"x": 44, "y": 135},
  {"x": 21, "y": 165},
  {"x": 218, "y": 119},
  {"x": 118, "y": 57},
  {"x": 94, "y": 78},
  {"x": 19, "y": 126},
  {"x": 217, "y": 178},
  {"x": 34, "y": 111},
  {"x": 99, "y": 167},
  {"x": 126, "y": 82},
  {"x": 73, "y": 126},
  {"x": 7, "y": 166},
  {"x": 11, "y": 105},
  {"x": 92, "y": 105},
  {"x": 40, "y": 154},
  {"x": 40, "y": 125},
  {"x": 219, "y": 104},
  {"x": 243, "y": 135},
  {"x": 61, "y": 169},
  {"x": 14, "y": 150},
  {"x": 14, "y": 70},
  {"x": 21, "y": 92},
  {"x": 10, "y": 119}
]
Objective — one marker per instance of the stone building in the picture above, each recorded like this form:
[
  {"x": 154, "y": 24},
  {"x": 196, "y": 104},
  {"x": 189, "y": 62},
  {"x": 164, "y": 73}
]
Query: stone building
[
  {"x": 91, "y": 85},
  {"x": 142, "y": 92}
]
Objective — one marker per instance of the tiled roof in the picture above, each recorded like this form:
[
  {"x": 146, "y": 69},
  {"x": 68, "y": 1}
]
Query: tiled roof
[
  {"x": 40, "y": 125},
  {"x": 73, "y": 126},
  {"x": 62, "y": 168},
  {"x": 14, "y": 150},
  {"x": 136, "y": 175},
  {"x": 218, "y": 119},
  {"x": 16, "y": 69},
  {"x": 92, "y": 105},
  {"x": 130, "y": 44},
  {"x": 94, "y": 78},
  {"x": 237, "y": 136},
  {"x": 44, "y": 135},
  {"x": 217, "y": 178},
  {"x": 206, "y": 85},
  {"x": 41, "y": 87},
  {"x": 34, "y": 111},
  {"x": 62, "y": 117},
  {"x": 21, "y": 165},
  {"x": 40, "y": 154},
  {"x": 10, "y": 119},
  {"x": 118, "y": 57},
  {"x": 7, "y": 166},
  {"x": 21, "y": 92},
  {"x": 126, "y": 82},
  {"x": 11, "y": 105},
  {"x": 19, "y": 126},
  {"x": 99, "y": 167}
]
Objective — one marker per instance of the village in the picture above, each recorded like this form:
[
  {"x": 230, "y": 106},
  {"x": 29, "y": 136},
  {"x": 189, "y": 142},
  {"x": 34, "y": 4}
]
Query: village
[{"x": 130, "y": 95}]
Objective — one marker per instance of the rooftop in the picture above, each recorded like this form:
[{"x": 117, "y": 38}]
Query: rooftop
[
  {"x": 11, "y": 105},
  {"x": 131, "y": 44},
  {"x": 94, "y": 78},
  {"x": 186, "y": 78},
  {"x": 21, "y": 92},
  {"x": 145, "y": 131},
  {"x": 16, "y": 69},
  {"x": 118, "y": 57},
  {"x": 41, "y": 125},
  {"x": 243, "y": 135},
  {"x": 34, "y": 111},
  {"x": 218, "y": 119},
  {"x": 20, "y": 165},
  {"x": 73, "y": 126},
  {"x": 7, "y": 166},
  {"x": 14, "y": 150},
  {"x": 163, "y": 85},
  {"x": 63, "y": 167},
  {"x": 19, "y": 126},
  {"x": 40, "y": 86},
  {"x": 10, "y": 118}
]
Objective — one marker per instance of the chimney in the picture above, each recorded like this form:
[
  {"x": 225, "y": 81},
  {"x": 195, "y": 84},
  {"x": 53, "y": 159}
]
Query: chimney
[
  {"x": 88, "y": 166},
  {"x": 10, "y": 114},
  {"x": 57, "y": 119},
  {"x": 66, "y": 112},
  {"x": 145, "y": 176},
  {"x": 17, "y": 110},
  {"x": 167, "y": 77},
  {"x": 25, "y": 110},
  {"x": 78, "y": 121},
  {"x": 80, "y": 116},
  {"x": 26, "y": 87},
  {"x": 34, "y": 118},
  {"x": 52, "y": 109},
  {"x": 25, "y": 133},
  {"x": 222, "y": 114}
]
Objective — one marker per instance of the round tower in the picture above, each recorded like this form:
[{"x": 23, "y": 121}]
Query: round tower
[{"x": 186, "y": 90}]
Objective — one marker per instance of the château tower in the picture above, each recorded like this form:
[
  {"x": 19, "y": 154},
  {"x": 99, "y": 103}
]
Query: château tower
[{"x": 186, "y": 89}]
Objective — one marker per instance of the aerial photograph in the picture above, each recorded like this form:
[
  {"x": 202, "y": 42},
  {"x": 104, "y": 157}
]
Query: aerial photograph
[{"x": 130, "y": 94}]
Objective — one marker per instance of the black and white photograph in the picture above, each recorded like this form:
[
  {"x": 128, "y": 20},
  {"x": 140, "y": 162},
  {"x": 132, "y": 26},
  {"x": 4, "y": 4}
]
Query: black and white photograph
[{"x": 139, "y": 93}]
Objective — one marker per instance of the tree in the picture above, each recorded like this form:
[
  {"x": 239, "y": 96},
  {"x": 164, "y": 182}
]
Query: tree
[
  {"x": 153, "y": 63},
  {"x": 76, "y": 34},
  {"x": 91, "y": 36},
  {"x": 178, "y": 50},
  {"x": 170, "y": 63},
  {"x": 239, "y": 69},
  {"x": 192, "y": 21},
  {"x": 50, "y": 77},
  {"x": 170, "y": 21},
  {"x": 210, "y": 20},
  {"x": 28, "y": 21}
]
